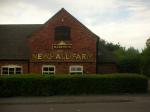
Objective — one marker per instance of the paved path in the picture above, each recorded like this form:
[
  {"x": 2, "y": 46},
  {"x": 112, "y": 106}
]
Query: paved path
[{"x": 103, "y": 103}]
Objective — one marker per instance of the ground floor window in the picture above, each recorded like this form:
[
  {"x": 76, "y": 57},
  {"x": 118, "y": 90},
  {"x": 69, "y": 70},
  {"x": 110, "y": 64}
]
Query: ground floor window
[
  {"x": 75, "y": 69},
  {"x": 48, "y": 69},
  {"x": 11, "y": 69}
]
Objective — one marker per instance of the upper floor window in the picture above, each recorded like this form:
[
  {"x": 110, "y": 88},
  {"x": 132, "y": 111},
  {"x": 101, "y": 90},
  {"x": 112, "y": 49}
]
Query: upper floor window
[{"x": 62, "y": 33}]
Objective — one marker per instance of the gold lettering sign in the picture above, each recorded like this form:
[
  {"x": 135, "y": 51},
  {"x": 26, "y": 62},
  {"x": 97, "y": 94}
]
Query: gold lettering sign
[
  {"x": 62, "y": 45},
  {"x": 62, "y": 56}
]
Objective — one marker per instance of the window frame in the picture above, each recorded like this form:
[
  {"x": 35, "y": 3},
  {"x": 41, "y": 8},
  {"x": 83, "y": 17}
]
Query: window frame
[
  {"x": 76, "y": 71},
  {"x": 9, "y": 67},
  {"x": 48, "y": 71}
]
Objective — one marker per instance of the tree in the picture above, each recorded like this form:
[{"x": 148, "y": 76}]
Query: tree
[
  {"x": 146, "y": 59},
  {"x": 108, "y": 45},
  {"x": 129, "y": 60},
  {"x": 148, "y": 42}
]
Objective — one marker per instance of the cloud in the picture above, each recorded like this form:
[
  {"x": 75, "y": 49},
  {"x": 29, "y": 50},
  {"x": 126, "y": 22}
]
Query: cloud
[
  {"x": 133, "y": 30},
  {"x": 123, "y": 21},
  {"x": 18, "y": 13}
]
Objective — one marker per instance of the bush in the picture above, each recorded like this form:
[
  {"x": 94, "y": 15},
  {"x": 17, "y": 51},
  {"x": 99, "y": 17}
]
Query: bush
[
  {"x": 129, "y": 65},
  {"x": 44, "y": 85}
]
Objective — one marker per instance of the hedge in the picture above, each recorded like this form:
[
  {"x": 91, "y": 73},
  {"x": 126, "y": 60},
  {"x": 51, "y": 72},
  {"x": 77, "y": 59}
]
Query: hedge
[{"x": 45, "y": 85}]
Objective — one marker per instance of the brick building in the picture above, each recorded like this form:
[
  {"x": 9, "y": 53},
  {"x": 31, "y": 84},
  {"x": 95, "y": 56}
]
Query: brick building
[{"x": 60, "y": 46}]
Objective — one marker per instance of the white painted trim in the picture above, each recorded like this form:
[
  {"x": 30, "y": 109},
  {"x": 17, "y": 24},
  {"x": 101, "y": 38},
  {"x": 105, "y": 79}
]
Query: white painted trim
[
  {"x": 11, "y": 66},
  {"x": 1, "y": 70},
  {"x": 49, "y": 67},
  {"x": 76, "y": 66}
]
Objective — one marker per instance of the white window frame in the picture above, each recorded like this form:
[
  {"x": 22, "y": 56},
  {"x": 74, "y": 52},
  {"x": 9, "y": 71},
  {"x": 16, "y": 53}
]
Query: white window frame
[
  {"x": 75, "y": 71},
  {"x": 9, "y": 67},
  {"x": 48, "y": 72}
]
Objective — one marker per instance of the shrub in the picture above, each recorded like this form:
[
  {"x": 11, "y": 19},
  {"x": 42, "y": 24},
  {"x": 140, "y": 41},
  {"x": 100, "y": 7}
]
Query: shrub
[{"x": 44, "y": 85}]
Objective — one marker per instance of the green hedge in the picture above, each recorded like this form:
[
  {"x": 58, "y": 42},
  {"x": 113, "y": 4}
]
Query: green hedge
[{"x": 44, "y": 85}]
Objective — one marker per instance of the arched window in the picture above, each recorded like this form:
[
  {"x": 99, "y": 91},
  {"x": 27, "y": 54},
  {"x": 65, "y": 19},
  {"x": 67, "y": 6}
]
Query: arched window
[
  {"x": 11, "y": 69},
  {"x": 62, "y": 33}
]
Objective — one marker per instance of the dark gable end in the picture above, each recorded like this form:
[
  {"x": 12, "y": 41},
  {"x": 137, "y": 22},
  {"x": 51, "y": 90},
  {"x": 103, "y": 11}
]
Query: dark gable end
[{"x": 13, "y": 40}]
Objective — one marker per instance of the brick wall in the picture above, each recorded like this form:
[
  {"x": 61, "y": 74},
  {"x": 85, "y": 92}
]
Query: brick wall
[
  {"x": 82, "y": 40},
  {"x": 63, "y": 68}
]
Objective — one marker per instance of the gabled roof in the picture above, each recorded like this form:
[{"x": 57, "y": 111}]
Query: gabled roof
[
  {"x": 13, "y": 40},
  {"x": 66, "y": 12}
]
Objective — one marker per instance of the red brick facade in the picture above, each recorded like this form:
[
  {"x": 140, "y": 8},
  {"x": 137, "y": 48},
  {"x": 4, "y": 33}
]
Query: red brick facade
[
  {"x": 82, "y": 51},
  {"x": 63, "y": 68},
  {"x": 36, "y": 48}
]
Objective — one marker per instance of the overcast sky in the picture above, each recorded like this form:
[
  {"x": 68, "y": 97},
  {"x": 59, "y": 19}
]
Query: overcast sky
[{"x": 119, "y": 21}]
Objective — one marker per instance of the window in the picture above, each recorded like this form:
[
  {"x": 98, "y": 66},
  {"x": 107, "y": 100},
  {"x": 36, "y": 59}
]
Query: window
[
  {"x": 48, "y": 69},
  {"x": 62, "y": 33},
  {"x": 11, "y": 69},
  {"x": 5, "y": 70},
  {"x": 18, "y": 70},
  {"x": 76, "y": 69}
]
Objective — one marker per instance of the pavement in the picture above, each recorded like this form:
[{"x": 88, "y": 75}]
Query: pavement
[
  {"x": 101, "y": 103},
  {"x": 98, "y": 103}
]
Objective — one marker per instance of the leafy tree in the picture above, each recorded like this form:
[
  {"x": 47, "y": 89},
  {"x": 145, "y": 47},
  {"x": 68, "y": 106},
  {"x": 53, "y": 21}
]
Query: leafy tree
[
  {"x": 146, "y": 59},
  {"x": 128, "y": 60},
  {"x": 148, "y": 42},
  {"x": 109, "y": 46},
  {"x": 119, "y": 53},
  {"x": 112, "y": 47}
]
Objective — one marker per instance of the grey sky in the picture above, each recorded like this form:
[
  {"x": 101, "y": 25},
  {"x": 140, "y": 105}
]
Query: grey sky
[{"x": 123, "y": 21}]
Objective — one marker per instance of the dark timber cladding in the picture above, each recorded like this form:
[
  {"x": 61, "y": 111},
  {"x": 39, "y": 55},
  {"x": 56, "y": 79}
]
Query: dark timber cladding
[{"x": 60, "y": 46}]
